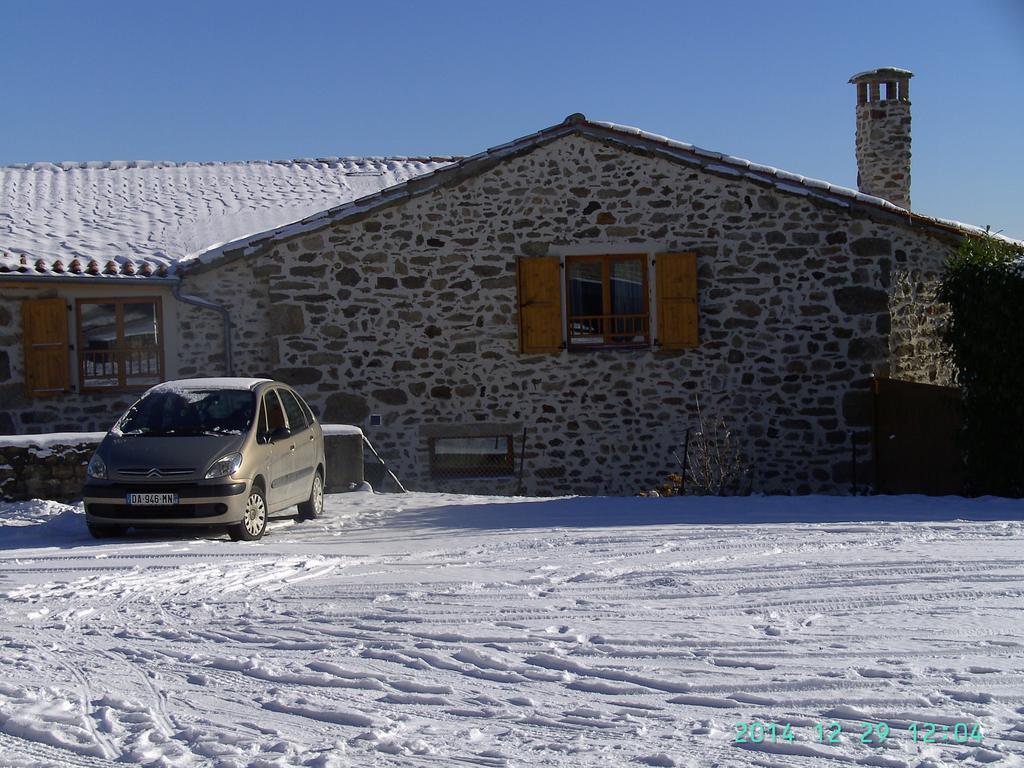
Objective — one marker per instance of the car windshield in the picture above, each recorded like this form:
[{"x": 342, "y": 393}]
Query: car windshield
[{"x": 190, "y": 412}]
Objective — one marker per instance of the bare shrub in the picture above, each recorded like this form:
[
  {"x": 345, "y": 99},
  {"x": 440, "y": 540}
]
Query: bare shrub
[{"x": 712, "y": 461}]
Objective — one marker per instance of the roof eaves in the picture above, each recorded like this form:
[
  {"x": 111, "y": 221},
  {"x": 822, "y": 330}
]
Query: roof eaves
[{"x": 35, "y": 267}]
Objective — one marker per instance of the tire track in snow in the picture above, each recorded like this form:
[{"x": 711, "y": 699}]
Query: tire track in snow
[
  {"x": 40, "y": 754},
  {"x": 85, "y": 697}
]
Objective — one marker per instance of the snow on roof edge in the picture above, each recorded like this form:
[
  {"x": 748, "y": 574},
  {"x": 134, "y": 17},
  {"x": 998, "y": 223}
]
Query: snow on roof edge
[{"x": 121, "y": 165}]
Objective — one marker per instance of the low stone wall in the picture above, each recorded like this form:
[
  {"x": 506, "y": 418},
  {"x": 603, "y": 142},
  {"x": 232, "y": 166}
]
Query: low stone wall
[
  {"x": 53, "y": 466},
  {"x": 45, "y": 466}
]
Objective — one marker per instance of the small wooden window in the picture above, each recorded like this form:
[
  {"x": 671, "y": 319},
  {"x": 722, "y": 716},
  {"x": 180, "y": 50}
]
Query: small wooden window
[
  {"x": 607, "y": 301},
  {"x": 472, "y": 456},
  {"x": 44, "y": 325},
  {"x": 120, "y": 343}
]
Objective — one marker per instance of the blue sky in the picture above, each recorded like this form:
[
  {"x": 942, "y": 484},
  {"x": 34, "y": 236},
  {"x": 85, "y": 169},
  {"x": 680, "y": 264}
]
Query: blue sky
[{"x": 764, "y": 80}]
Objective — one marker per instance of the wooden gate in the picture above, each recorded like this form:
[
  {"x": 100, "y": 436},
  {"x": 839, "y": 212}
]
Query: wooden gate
[{"x": 917, "y": 428}]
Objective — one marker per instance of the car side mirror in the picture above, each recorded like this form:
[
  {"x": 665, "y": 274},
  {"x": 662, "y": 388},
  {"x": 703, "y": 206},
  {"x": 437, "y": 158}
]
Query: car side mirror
[{"x": 281, "y": 433}]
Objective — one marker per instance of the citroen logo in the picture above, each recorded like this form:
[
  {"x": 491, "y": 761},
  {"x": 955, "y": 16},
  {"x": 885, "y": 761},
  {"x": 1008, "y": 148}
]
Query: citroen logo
[{"x": 154, "y": 472}]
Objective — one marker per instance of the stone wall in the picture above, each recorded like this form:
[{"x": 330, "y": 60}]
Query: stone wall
[
  {"x": 883, "y": 150},
  {"x": 917, "y": 350},
  {"x": 236, "y": 288},
  {"x": 410, "y": 314},
  {"x": 48, "y": 470}
]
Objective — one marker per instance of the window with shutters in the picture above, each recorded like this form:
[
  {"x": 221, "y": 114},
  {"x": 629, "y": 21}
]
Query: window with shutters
[
  {"x": 607, "y": 301},
  {"x": 120, "y": 343}
]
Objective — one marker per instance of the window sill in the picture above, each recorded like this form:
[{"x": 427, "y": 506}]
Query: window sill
[{"x": 609, "y": 347}]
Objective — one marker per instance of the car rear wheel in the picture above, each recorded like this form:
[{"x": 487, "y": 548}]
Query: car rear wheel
[
  {"x": 100, "y": 531},
  {"x": 254, "y": 519},
  {"x": 314, "y": 506}
]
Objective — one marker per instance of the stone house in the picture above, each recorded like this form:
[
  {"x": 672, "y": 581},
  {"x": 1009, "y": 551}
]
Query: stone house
[{"x": 549, "y": 309}]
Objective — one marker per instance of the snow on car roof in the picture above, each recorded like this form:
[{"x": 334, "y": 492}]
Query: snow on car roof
[{"x": 225, "y": 382}]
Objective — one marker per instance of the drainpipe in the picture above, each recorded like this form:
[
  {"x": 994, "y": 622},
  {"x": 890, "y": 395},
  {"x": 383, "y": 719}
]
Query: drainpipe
[{"x": 196, "y": 301}]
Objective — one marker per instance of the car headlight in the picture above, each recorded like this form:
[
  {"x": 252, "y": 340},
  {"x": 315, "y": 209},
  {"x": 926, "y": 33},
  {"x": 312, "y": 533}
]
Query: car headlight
[
  {"x": 225, "y": 465},
  {"x": 97, "y": 468}
]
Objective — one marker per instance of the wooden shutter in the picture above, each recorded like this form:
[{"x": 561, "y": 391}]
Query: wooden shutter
[
  {"x": 540, "y": 304},
  {"x": 676, "y": 285},
  {"x": 44, "y": 325}
]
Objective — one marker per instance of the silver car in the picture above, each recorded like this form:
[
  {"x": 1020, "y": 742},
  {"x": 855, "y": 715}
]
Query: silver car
[{"x": 208, "y": 452}]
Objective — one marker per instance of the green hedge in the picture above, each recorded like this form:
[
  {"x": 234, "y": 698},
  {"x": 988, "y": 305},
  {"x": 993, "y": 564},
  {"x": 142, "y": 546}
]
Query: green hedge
[{"x": 984, "y": 288}]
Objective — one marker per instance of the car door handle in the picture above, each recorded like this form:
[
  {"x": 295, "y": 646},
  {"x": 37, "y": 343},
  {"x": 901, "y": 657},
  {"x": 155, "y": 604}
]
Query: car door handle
[
  {"x": 291, "y": 448},
  {"x": 312, "y": 438}
]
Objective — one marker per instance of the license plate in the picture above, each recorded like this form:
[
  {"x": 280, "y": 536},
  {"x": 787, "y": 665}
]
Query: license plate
[{"x": 153, "y": 499}]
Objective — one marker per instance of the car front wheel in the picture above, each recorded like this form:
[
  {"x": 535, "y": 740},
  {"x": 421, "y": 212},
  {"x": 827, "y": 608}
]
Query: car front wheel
[{"x": 254, "y": 519}]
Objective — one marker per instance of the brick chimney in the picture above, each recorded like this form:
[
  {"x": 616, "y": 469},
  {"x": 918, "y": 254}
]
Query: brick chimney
[{"x": 883, "y": 134}]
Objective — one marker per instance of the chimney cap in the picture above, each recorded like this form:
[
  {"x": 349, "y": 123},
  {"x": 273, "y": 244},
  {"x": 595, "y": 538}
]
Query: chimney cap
[{"x": 882, "y": 73}]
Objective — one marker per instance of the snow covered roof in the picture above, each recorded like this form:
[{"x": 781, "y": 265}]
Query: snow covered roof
[
  {"x": 125, "y": 219},
  {"x": 623, "y": 135}
]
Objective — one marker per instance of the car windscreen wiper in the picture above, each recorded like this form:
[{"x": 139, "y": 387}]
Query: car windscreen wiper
[{"x": 190, "y": 431}]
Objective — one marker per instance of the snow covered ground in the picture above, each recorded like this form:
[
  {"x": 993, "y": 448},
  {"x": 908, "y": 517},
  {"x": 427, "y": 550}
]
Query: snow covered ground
[{"x": 423, "y": 629}]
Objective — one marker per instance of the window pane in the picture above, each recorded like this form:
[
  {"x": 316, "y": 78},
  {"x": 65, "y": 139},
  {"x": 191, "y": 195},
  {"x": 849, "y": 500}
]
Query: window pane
[
  {"x": 191, "y": 412},
  {"x": 263, "y": 428},
  {"x": 141, "y": 343},
  {"x": 275, "y": 416},
  {"x": 607, "y": 301},
  {"x": 627, "y": 287},
  {"x": 310, "y": 417},
  {"x": 586, "y": 302},
  {"x": 296, "y": 418},
  {"x": 99, "y": 344},
  {"x": 627, "y": 292},
  {"x": 585, "y": 290},
  {"x": 473, "y": 455}
]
